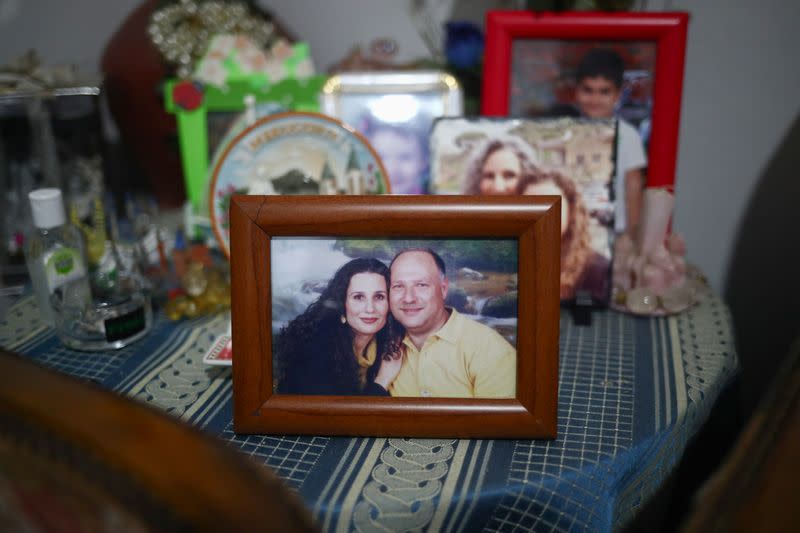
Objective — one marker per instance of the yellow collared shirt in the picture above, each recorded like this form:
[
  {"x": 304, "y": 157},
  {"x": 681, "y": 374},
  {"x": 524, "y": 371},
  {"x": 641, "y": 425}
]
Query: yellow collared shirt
[{"x": 464, "y": 359}]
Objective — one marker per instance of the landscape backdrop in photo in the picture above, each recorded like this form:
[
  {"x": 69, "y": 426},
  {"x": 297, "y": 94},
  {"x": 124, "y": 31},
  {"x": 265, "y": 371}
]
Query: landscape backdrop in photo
[{"x": 482, "y": 274}]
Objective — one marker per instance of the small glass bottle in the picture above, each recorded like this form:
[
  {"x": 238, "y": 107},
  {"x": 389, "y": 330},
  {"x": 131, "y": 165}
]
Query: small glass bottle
[
  {"x": 55, "y": 258},
  {"x": 121, "y": 312}
]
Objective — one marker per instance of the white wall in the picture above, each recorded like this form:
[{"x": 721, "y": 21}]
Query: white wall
[
  {"x": 334, "y": 27},
  {"x": 741, "y": 91},
  {"x": 75, "y": 31},
  {"x": 62, "y": 31},
  {"x": 741, "y": 94}
]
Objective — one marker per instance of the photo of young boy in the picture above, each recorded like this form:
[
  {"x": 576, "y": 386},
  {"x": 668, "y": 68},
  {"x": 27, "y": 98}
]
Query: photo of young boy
[
  {"x": 598, "y": 81},
  {"x": 599, "y": 78}
]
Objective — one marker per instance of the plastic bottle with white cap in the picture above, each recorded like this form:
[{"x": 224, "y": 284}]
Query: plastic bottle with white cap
[{"x": 54, "y": 253}]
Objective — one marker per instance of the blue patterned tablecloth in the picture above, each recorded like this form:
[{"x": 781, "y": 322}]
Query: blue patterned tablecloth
[{"x": 632, "y": 392}]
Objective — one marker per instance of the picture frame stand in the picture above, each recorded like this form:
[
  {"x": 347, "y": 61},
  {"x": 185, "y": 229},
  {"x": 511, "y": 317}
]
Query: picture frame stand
[{"x": 581, "y": 315}]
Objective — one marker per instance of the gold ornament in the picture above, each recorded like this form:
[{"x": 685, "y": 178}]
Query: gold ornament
[
  {"x": 207, "y": 291},
  {"x": 95, "y": 235},
  {"x": 183, "y": 31},
  {"x": 195, "y": 281}
]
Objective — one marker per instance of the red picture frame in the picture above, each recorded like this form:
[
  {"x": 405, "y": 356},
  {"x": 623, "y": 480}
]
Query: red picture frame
[{"x": 667, "y": 30}]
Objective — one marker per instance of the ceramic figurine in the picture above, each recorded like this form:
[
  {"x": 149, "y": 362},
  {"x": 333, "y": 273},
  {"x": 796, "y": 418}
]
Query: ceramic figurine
[{"x": 650, "y": 274}]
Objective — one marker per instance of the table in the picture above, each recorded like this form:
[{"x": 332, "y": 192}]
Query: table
[{"x": 632, "y": 393}]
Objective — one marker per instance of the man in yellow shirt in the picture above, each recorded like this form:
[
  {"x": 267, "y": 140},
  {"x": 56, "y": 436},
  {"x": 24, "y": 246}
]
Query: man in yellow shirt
[{"x": 447, "y": 354}]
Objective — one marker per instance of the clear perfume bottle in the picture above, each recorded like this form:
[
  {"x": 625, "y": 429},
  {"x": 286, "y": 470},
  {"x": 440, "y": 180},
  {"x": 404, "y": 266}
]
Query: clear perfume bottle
[
  {"x": 121, "y": 312},
  {"x": 56, "y": 260}
]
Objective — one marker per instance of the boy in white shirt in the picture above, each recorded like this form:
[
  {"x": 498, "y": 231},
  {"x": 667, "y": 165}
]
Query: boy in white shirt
[{"x": 599, "y": 78}]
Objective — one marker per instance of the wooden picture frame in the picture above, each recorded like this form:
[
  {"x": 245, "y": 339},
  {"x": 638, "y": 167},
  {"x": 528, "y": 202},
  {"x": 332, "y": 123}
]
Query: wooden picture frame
[
  {"x": 666, "y": 30},
  {"x": 533, "y": 221}
]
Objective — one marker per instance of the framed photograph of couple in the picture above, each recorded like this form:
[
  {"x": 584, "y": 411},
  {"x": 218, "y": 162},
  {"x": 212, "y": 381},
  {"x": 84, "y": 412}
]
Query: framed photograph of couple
[
  {"x": 396, "y": 316},
  {"x": 627, "y": 66}
]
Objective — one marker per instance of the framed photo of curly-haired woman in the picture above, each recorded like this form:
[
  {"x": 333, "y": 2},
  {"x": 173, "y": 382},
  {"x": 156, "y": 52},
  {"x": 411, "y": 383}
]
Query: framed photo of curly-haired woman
[
  {"x": 569, "y": 157},
  {"x": 405, "y": 316}
]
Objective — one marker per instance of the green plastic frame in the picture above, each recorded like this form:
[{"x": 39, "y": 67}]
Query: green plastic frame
[{"x": 293, "y": 94}]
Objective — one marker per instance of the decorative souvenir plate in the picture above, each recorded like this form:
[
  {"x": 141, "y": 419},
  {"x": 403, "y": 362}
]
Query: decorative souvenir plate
[{"x": 293, "y": 153}]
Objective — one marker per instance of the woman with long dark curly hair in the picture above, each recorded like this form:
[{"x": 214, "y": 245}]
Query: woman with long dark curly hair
[
  {"x": 582, "y": 268},
  {"x": 346, "y": 342}
]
